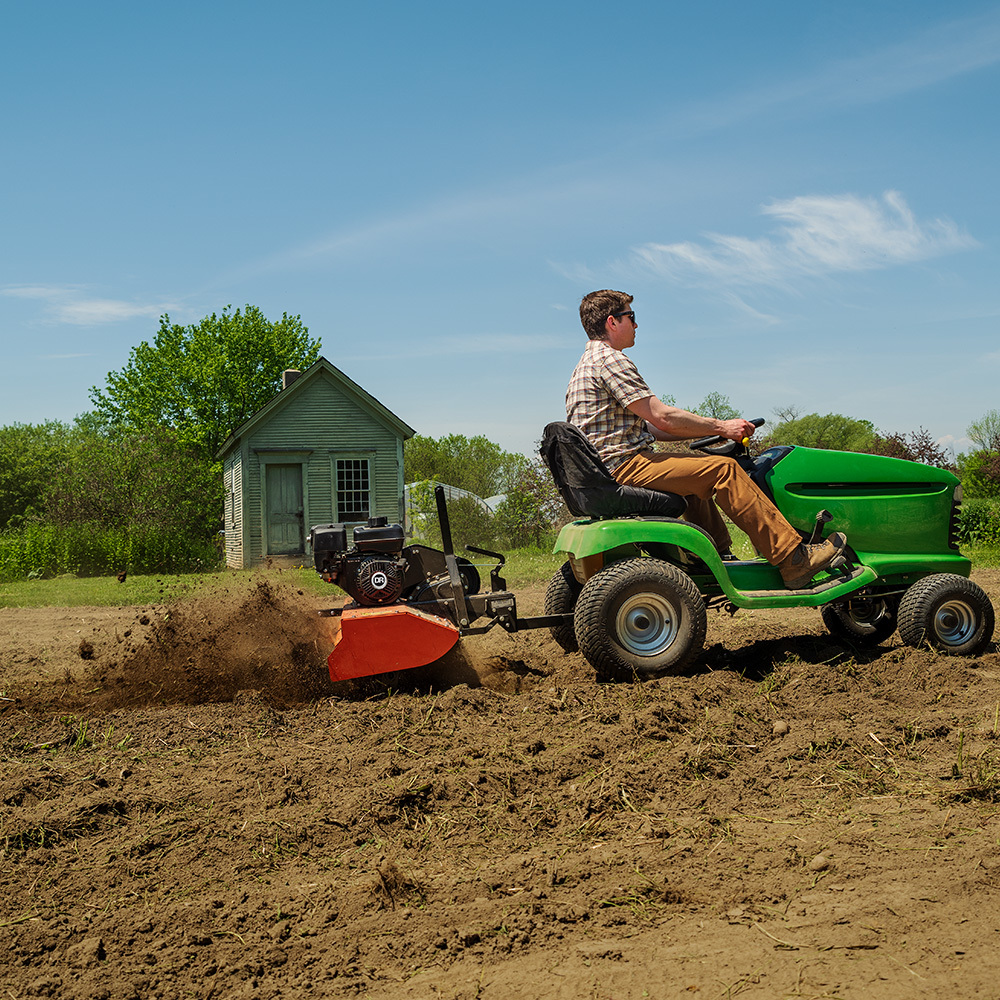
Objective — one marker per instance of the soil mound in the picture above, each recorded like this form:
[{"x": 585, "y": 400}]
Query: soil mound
[{"x": 268, "y": 640}]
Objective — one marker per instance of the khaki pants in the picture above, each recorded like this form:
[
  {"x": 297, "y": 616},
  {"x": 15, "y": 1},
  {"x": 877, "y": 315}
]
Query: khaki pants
[{"x": 699, "y": 478}]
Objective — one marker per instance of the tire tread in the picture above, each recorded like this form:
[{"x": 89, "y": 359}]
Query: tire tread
[
  {"x": 598, "y": 649},
  {"x": 560, "y": 599},
  {"x": 918, "y": 602}
]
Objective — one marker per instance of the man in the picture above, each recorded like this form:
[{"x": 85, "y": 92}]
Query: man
[{"x": 609, "y": 401}]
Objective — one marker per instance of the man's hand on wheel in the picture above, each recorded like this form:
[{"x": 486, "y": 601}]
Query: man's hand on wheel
[{"x": 737, "y": 430}]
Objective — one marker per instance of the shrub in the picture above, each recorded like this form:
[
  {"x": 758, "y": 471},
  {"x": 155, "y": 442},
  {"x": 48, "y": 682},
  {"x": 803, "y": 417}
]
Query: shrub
[
  {"x": 917, "y": 446},
  {"x": 141, "y": 480},
  {"x": 89, "y": 550},
  {"x": 532, "y": 509},
  {"x": 980, "y": 474},
  {"x": 30, "y": 455},
  {"x": 979, "y": 522},
  {"x": 471, "y": 522},
  {"x": 830, "y": 430}
]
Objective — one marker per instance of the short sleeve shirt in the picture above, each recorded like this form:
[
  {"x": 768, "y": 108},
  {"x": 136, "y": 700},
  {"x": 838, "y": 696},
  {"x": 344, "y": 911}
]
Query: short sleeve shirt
[{"x": 601, "y": 388}]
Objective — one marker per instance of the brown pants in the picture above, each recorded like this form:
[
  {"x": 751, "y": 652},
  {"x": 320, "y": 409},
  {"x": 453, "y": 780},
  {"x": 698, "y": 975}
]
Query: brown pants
[{"x": 699, "y": 478}]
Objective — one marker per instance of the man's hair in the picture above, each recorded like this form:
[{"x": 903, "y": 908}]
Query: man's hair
[{"x": 597, "y": 307}]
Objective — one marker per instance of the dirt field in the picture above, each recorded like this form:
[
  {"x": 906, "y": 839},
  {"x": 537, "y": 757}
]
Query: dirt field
[{"x": 189, "y": 808}]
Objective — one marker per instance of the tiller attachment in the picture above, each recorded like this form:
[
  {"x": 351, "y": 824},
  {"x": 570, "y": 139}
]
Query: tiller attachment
[
  {"x": 379, "y": 640},
  {"x": 410, "y": 604}
]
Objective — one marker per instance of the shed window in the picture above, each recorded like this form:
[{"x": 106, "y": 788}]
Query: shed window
[{"x": 353, "y": 491}]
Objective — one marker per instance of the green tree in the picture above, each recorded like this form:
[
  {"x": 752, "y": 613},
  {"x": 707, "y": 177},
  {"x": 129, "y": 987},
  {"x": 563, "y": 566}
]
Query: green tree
[
  {"x": 30, "y": 454},
  {"x": 140, "y": 479},
  {"x": 985, "y": 431},
  {"x": 531, "y": 507},
  {"x": 717, "y": 406},
  {"x": 205, "y": 379},
  {"x": 979, "y": 470},
  {"x": 474, "y": 464},
  {"x": 980, "y": 475},
  {"x": 830, "y": 430}
]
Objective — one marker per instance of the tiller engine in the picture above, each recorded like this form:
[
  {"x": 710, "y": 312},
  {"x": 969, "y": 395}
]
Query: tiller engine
[{"x": 410, "y": 603}]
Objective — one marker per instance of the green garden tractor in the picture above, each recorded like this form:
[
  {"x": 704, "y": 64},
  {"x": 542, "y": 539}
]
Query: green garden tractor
[{"x": 633, "y": 592}]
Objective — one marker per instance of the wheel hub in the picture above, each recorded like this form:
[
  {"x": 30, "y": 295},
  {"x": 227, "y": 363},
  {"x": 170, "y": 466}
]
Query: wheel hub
[
  {"x": 646, "y": 624},
  {"x": 866, "y": 611},
  {"x": 954, "y": 622}
]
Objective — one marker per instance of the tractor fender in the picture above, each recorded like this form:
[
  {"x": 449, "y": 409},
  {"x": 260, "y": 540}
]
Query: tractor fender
[
  {"x": 585, "y": 541},
  {"x": 584, "y": 538}
]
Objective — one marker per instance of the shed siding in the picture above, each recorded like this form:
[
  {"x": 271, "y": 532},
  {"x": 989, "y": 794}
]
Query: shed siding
[
  {"x": 320, "y": 422},
  {"x": 233, "y": 519}
]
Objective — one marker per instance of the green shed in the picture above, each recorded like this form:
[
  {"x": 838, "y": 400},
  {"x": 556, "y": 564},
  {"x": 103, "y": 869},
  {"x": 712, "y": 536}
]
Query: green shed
[{"x": 320, "y": 450}]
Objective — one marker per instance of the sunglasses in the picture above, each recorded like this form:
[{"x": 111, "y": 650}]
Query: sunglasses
[{"x": 628, "y": 312}]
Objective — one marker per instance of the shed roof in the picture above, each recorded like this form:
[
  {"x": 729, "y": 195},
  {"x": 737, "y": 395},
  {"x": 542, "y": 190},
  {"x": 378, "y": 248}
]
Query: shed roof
[{"x": 364, "y": 399}]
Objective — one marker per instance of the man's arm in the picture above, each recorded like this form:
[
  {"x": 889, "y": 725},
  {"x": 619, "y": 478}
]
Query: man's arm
[{"x": 669, "y": 423}]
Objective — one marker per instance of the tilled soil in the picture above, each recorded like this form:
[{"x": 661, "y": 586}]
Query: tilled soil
[{"x": 188, "y": 807}]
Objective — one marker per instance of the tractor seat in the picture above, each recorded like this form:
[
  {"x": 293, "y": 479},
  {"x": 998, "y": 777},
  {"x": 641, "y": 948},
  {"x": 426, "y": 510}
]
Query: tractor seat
[{"x": 587, "y": 487}]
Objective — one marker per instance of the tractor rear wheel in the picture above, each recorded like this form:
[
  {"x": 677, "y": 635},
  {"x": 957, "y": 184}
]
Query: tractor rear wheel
[
  {"x": 951, "y": 613},
  {"x": 863, "y": 621},
  {"x": 639, "y": 618},
  {"x": 560, "y": 599}
]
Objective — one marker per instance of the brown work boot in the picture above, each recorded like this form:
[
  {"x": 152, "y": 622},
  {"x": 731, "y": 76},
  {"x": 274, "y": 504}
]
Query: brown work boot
[{"x": 808, "y": 560}]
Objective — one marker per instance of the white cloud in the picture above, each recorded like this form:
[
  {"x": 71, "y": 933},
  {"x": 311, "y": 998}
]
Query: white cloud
[
  {"x": 956, "y": 444},
  {"x": 69, "y": 304},
  {"x": 819, "y": 235},
  {"x": 37, "y": 291},
  {"x": 90, "y": 312}
]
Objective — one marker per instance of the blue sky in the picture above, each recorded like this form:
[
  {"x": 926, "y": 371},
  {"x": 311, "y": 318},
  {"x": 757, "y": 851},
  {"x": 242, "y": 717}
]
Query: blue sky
[{"x": 801, "y": 197}]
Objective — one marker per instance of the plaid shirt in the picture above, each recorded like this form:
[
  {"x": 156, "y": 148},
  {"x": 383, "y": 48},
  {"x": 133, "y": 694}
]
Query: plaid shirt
[{"x": 600, "y": 390}]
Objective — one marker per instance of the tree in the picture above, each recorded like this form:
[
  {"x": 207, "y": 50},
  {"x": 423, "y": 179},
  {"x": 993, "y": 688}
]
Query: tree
[
  {"x": 531, "y": 507},
  {"x": 917, "y": 446},
  {"x": 830, "y": 430},
  {"x": 30, "y": 454},
  {"x": 141, "y": 479},
  {"x": 204, "y": 380},
  {"x": 980, "y": 474},
  {"x": 985, "y": 431},
  {"x": 717, "y": 406},
  {"x": 784, "y": 414},
  {"x": 474, "y": 464}
]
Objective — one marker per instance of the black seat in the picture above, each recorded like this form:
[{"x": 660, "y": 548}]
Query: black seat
[{"x": 587, "y": 487}]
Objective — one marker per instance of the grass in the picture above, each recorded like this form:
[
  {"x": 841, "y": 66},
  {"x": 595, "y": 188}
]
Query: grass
[
  {"x": 105, "y": 591},
  {"x": 524, "y": 567},
  {"x": 983, "y": 556}
]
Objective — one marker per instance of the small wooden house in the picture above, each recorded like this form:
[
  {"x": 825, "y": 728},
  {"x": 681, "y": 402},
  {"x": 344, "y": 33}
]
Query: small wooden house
[{"x": 321, "y": 450}]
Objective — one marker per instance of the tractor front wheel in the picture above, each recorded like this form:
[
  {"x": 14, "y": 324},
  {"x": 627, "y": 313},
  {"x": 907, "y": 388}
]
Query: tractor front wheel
[
  {"x": 639, "y": 618},
  {"x": 864, "y": 621},
  {"x": 951, "y": 613}
]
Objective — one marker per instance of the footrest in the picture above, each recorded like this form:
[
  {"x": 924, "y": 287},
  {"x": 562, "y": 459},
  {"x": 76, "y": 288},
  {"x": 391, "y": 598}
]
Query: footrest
[{"x": 827, "y": 589}]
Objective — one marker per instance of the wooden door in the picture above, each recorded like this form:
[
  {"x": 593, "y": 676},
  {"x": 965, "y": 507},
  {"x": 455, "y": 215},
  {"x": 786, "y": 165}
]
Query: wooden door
[{"x": 284, "y": 510}]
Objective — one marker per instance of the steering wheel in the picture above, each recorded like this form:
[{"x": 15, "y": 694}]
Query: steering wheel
[{"x": 728, "y": 447}]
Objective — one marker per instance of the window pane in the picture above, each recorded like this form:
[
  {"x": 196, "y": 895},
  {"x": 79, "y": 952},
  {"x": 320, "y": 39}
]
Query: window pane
[{"x": 353, "y": 496}]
